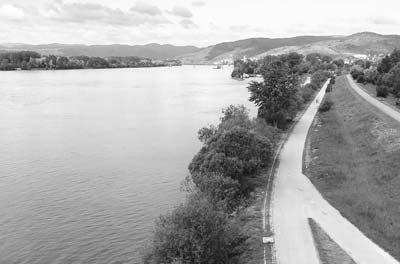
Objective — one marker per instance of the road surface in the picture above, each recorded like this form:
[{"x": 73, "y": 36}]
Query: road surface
[
  {"x": 295, "y": 199},
  {"x": 375, "y": 102}
]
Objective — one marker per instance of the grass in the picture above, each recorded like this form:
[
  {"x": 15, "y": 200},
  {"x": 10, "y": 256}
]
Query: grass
[
  {"x": 251, "y": 221},
  {"x": 329, "y": 252},
  {"x": 352, "y": 157},
  {"x": 390, "y": 100}
]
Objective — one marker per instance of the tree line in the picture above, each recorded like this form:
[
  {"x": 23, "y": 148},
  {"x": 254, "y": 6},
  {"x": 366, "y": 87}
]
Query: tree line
[
  {"x": 311, "y": 63},
  {"x": 207, "y": 227},
  {"x": 28, "y": 60}
]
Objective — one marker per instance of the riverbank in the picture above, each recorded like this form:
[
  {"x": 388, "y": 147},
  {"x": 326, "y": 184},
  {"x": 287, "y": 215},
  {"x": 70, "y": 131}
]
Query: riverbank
[{"x": 30, "y": 60}]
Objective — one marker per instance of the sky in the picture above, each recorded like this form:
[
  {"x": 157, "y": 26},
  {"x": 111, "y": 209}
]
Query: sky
[{"x": 188, "y": 22}]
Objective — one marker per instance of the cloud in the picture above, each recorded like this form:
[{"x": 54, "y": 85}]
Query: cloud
[
  {"x": 11, "y": 12},
  {"x": 188, "y": 24},
  {"x": 198, "y": 3},
  {"x": 181, "y": 12},
  {"x": 99, "y": 14},
  {"x": 144, "y": 8},
  {"x": 384, "y": 21}
]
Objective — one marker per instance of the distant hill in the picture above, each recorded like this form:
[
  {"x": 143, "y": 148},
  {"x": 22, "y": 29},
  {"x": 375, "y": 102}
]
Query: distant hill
[
  {"x": 337, "y": 46},
  {"x": 360, "y": 43},
  {"x": 247, "y": 47},
  {"x": 153, "y": 51}
]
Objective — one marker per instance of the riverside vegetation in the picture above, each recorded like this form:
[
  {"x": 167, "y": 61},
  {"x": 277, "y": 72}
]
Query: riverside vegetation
[
  {"x": 28, "y": 60},
  {"x": 227, "y": 176}
]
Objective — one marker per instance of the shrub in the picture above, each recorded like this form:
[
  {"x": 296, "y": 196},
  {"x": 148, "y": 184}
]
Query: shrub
[
  {"x": 325, "y": 105},
  {"x": 361, "y": 78},
  {"x": 221, "y": 191},
  {"x": 382, "y": 91},
  {"x": 236, "y": 153},
  {"x": 329, "y": 88},
  {"x": 371, "y": 75},
  {"x": 398, "y": 103},
  {"x": 311, "y": 86},
  {"x": 356, "y": 72},
  {"x": 307, "y": 92},
  {"x": 195, "y": 232}
]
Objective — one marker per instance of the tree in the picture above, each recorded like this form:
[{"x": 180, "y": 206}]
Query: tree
[
  {"x": 238, "y": 70},
  {"x": 319, "y": 77},
  {"x": 339, "y": 63},
  {"x": 97, "y": 63},
  {"x": 385, "y": 65},
  {"x": 371, "y": 75},
  {"x": 356, "y": 72},
  {"x": 236, "y": 153},
  {"x": 206, "y": 133},
  {"x": 313, "y": 58},
  {"x": 276, "y": 96},
  {"x": 195, "y": 232},
  {"x": 327, "y": 59},
  {"x": 224, "y": 192},
  {"x": 5, "y": 65},
  {"x": 235, "y": 116},
  {"x": 62, "y": 62},
  {"x": 293, "y": 60},
  {"x": 392, "y": 79}
]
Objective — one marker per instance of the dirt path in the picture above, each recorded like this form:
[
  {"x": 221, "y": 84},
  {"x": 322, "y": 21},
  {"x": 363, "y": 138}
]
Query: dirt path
[
  {"x": 375, "y": 102},
  {"x": 295, "y": 200}
]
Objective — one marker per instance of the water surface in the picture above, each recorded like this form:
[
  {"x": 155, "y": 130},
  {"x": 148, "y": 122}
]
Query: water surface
[{"x": 90, "y": 158}]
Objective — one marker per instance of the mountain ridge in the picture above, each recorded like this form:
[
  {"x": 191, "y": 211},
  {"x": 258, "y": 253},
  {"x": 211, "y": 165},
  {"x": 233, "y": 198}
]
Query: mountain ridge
[
  {"x": 151, "y": 50},
  {"x": 335, "y": 45}
]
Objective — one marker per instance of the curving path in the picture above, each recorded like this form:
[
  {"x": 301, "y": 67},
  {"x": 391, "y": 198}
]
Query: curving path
[
  {"x": 295, "y": 199},
  {"x": 372, "y": 100}
]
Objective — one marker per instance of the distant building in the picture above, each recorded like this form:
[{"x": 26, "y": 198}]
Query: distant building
[{"x": 361, "y": 56}]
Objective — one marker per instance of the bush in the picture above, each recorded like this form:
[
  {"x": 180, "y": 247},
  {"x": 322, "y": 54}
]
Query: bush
[
  {"x": 195, "y": 232},
  {"x": 329, "y": 88},
  {"x": 398, "y": 103},
  {"x": 356, "y": 72},
  {"x": 311, "y": 86},
  {"x": 371, "y": 75},
  {"x": 382, "y": 91},
  {"x": 307, "y": 93},
  {"x": 325, "y": 105},
  {"x": 221, "y": 191},
  {"x": 361, "y": 79},
  {"x": 236, "y": 153}
]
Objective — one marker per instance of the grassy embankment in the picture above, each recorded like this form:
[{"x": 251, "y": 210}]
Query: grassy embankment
[
  {"x": 390, "y": 100},
  {"x": 353, "y": 159},
  {"x": 329, "y": 252}
]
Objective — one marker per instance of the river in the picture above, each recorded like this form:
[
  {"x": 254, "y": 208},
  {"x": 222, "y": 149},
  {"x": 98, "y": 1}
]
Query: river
[{"x": 90, "y": 158}]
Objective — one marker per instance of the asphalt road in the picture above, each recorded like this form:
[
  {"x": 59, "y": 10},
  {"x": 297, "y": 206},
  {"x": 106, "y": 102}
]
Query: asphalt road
[{"x": 295, "y": 199}]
